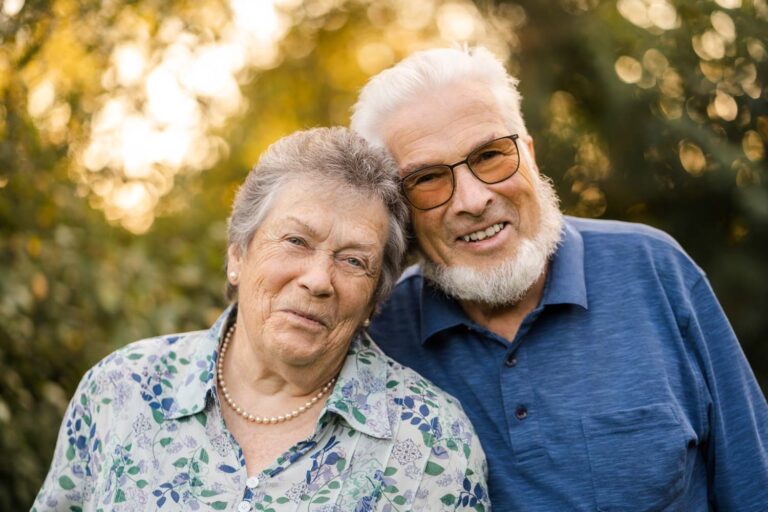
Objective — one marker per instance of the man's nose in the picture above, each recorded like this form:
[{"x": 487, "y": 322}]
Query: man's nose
[{"x": 470, "y": 195}]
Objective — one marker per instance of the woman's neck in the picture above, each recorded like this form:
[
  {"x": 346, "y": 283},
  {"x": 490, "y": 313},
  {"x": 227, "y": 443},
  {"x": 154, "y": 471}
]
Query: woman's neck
[{"x": 267, "y": 388}]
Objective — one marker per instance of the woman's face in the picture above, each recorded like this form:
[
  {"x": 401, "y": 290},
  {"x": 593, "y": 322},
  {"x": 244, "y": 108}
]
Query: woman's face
[{"x": 306, "y": 281}]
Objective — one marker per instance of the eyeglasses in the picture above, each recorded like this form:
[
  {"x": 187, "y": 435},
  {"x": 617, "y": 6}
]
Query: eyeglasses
[{"x": 433, "y": 186}]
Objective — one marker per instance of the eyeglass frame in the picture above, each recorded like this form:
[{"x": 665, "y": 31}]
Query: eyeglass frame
[{"x": 514, "y": 137}]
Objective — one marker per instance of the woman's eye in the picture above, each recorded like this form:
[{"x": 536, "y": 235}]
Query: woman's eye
[
  {"x": 355, "y": 262},
  {"x": 294, "y": 240}
]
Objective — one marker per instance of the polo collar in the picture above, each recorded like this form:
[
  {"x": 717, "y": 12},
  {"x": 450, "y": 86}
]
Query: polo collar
[
  {"x": 565, "y": 284},
  {"x": 439, "y": 312}
]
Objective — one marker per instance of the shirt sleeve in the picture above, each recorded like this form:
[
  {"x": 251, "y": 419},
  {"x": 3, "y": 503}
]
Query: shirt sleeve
[
  {"x": 736, "y": 448},
  {"x": 456, "y": 473},
  {"x": 69, "y": 483}
]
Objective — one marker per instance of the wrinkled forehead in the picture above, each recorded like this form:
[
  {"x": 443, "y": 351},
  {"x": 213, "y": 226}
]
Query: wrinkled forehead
[{"x": 443, "y": 126}]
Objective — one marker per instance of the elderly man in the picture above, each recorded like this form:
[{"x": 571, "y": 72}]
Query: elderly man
[{"x": 592, "y": 356}]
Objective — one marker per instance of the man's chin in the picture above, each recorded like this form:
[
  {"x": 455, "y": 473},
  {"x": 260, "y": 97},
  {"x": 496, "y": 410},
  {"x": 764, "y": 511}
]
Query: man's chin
[
  {"x": 507, "y": 282},
  {"x": 499, "y": 285}
]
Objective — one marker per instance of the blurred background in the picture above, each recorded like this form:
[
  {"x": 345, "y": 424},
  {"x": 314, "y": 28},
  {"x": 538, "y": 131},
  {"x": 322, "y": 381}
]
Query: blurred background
[{"x": 126, "y": 127}]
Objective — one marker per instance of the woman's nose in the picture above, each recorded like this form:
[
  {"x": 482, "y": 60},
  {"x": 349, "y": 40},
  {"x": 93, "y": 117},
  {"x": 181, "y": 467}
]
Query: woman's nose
[{"x": 317, "y": 275}]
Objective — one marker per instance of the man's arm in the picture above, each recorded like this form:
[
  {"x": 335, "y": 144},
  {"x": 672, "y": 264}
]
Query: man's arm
[{"x": 737, "y": 445}]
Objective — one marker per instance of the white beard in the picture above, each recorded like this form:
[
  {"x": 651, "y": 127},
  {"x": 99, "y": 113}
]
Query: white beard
[{"x": 507, "y": 282}]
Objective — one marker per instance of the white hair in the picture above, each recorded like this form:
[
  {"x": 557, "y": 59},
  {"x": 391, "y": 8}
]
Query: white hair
[
  {"x": 506, "y": 283},
  {"x": 418, "y": 76},
  {"x": 425, "y": 71}
]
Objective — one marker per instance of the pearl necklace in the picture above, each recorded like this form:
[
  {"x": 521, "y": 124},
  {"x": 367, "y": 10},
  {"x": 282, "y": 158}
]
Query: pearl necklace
[{"x": 239, "y": 410}]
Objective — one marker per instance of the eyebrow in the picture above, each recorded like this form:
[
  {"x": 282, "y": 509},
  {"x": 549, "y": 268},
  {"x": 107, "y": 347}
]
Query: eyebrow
[
  {"x": 309, "y": 229},
  {"x": 315, "y": 234},
  {"x": 416, "y": 166}
]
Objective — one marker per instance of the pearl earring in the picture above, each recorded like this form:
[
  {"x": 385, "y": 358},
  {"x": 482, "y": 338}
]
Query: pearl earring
[
  {"x": 233, "y": 275},
  {"x": 366, "y": 323}
]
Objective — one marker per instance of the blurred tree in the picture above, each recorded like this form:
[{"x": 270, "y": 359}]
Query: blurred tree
[{"x": 125, "y": 128}]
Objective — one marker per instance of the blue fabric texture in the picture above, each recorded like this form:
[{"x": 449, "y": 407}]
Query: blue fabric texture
[{"x": 625, "y": 389}]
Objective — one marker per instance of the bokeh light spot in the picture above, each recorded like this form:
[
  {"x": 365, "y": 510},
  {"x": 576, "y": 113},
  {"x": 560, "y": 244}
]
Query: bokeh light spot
[
  {"x": 663, "y": 15},
  {"x": 692, "y": 157},
  {"x": 12, "y": 7},
  {"x": 725, "y": 106},
  {"x": 628, "y": 69},
  {"x": 457, "y": 22},
  {"x": 130, "y": 63},
  {"x": 724, "y": 25},
  {"x": 41, "y": 98},
  {"x": 753, "y": 145},
  {"x": 635, "y": 11}
]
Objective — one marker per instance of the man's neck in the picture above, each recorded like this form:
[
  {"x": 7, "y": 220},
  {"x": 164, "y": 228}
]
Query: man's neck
[{"x": 506, "y": 320}]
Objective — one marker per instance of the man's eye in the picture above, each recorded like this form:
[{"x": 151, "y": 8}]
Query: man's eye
[
  {"x": 488, "y": 154},
  {"x": 432, "y": 177},
  {"x": 425, "y": 178}
]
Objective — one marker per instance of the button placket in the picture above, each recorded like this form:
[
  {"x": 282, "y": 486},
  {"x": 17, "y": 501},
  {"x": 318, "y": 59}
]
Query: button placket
[
  {"x": 252, "y": 482},
  {"x": 244, "y": 506}
]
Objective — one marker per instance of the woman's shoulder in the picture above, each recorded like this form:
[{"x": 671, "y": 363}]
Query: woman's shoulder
[{"x": 148, "y": 351}]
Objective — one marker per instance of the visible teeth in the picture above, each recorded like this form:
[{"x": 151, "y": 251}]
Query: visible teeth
[{"x": 483, "y": 233}]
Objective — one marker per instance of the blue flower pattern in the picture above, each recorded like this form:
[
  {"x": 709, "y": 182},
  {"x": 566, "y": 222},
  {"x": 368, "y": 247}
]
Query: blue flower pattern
[{"x": 144, "y": 431}]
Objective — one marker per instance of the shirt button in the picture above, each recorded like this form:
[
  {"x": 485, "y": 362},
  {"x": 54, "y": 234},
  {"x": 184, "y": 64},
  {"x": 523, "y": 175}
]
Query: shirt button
[
  {"x": 252, "y": 482},
  {"x": 511, "y": 361},
  {"x": 521, "y": 412},
  {"x": 244, "y": 506}
]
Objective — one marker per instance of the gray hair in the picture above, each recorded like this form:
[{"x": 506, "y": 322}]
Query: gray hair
[
  {"x": 424, "y": 71},
  {"x": 326, "y": 155}
]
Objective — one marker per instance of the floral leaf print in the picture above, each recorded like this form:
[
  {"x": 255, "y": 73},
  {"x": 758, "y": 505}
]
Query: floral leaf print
[{"x": 386, "y": 441}]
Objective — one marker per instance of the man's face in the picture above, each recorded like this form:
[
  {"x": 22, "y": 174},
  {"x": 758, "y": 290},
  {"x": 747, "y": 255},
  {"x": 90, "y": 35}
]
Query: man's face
[{"x": 442, "y": 128}]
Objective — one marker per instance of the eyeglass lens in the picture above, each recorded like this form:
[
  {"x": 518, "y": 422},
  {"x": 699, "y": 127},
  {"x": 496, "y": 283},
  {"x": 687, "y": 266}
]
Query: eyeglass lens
[{"x": 490, "y": 163}]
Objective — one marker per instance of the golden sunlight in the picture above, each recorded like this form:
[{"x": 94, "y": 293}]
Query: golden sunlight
[{"x": 166, "y": 94}]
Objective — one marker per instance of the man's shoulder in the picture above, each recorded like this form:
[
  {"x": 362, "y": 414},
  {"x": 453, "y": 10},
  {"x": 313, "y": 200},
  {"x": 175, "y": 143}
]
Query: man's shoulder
[
  {"x": 634, "y": 249},
  {"x": 630, "y": 237},
  {"x": 606, "y": 230}
]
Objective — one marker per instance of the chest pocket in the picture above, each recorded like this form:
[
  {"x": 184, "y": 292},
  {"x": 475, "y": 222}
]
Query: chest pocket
[{"x": 637, "y": 458}]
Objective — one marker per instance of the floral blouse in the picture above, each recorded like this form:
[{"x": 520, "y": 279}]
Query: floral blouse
[{"x": 144, "y": 431}]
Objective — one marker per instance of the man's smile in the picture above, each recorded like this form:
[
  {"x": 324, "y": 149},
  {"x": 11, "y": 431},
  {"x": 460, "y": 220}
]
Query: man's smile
[{"x": 482, "y": 234}]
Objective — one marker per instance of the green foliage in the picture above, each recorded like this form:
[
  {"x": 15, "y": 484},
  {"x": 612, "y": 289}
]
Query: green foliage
[{"x": 681, "y": 147}]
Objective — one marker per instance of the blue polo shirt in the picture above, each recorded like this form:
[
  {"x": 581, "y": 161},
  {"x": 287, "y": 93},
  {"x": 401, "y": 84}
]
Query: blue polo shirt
[{"x": 625, "y": 389}]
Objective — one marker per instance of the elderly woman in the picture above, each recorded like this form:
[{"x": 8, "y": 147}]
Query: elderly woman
[{"x": 284, "y": 403}]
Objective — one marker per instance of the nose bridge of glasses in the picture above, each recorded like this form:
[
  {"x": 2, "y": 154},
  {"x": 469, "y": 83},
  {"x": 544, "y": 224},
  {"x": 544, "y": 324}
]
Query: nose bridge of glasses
[{"x": 459, "y": 164}]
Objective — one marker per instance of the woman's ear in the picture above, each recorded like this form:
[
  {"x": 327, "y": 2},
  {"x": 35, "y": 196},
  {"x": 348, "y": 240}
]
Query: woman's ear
[{"x": 234, "y": 261}]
